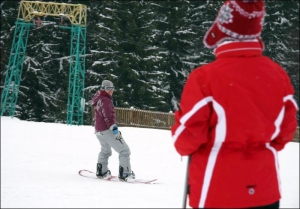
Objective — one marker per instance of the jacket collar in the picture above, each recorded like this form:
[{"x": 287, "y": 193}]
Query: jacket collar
[
  {"x": 239, "y": 49},
  {"x": 104, "y": 93}
]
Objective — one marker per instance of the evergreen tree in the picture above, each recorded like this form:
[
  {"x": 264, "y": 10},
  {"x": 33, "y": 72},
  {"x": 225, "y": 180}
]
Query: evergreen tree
[
  {"x": 125, "y": 56},
  {"x": 281, "y": 37}
]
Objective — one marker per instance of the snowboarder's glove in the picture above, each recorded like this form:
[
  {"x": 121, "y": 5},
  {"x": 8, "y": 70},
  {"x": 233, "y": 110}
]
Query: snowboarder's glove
[{"x": 116, "y": 132}]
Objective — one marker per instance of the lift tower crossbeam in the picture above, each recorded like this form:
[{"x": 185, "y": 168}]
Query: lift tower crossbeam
[{"x": 76, "y": 13}]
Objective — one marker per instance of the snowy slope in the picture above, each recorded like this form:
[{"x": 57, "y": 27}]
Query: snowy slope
[{"x": 40, "y": 164}]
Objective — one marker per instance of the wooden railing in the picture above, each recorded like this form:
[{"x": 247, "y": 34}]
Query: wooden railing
[
  {"x": 296, "y": 137},
  {"x": 150, "y": 119},
  {"x": 143, "y": 118}
]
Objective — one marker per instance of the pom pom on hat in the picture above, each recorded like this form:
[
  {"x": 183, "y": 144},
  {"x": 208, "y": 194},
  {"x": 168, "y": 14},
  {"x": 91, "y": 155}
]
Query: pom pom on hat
[{"x": 237, "y": 20}]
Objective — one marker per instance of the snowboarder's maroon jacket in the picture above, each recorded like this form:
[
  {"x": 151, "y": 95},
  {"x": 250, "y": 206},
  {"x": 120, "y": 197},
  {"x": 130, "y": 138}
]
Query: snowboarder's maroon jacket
[
  {"x": 105, "y": 115},
  {"x": 235, "y": 114}
]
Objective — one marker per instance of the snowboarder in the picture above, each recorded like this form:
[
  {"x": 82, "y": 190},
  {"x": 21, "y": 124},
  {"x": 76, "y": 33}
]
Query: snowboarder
[
  {"x": 235, "y": 114},
  {"x": 109, "y": 135}
]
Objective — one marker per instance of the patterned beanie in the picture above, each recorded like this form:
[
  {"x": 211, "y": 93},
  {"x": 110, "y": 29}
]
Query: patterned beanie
[{"x": 237, "y": 20}]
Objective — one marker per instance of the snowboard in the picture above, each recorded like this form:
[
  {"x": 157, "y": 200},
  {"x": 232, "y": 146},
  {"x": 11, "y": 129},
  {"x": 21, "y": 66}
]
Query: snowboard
[{"x": 91, "y": 174}]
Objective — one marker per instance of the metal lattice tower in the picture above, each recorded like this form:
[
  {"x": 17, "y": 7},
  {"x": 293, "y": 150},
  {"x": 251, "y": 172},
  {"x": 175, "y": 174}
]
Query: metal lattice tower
[
  {"x": 76, "y": 14},
  {"x": 76, "y": 102},
  {"x": 11, "y": 85}
]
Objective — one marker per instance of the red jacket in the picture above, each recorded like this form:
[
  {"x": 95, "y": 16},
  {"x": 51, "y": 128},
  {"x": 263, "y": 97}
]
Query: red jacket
[
  {"x": 105, "y": 115},
  {"x": 235, "y": 114}
]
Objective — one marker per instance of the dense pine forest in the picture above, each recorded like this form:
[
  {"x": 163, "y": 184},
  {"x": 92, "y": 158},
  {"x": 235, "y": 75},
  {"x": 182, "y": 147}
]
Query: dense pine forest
[{"x": 146, "y": 48}]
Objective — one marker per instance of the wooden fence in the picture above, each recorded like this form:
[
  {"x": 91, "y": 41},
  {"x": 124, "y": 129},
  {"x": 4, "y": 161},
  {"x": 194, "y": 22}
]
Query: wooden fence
[
  {"x": 143, "y": 118},
  {"x": 296, "y": 137},
  {"x": 151, "y": 119}
]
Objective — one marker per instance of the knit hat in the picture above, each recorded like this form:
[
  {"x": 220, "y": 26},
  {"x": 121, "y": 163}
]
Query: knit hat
[
  {"x": 237, "y": 20},
  {"x": 106, "y": 83}
]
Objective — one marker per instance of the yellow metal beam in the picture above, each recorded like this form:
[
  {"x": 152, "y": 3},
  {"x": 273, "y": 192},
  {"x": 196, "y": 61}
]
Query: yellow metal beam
[{"x": 76, "y": 13}]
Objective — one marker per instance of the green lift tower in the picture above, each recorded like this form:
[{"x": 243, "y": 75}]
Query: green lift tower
[{"x": 34, "y": 10}]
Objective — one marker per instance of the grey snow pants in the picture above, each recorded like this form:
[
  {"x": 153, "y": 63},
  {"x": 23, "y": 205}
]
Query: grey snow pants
[{"x": 107, "y": 141}]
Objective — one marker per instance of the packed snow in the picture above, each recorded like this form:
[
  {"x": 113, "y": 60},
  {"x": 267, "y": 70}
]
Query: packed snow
[{"x": 40, "y": 164}]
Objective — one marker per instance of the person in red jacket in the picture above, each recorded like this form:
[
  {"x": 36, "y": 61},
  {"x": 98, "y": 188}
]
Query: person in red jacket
[
  {"x": 108, "y": 134},
  {"x": 235, "y": 114}
]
